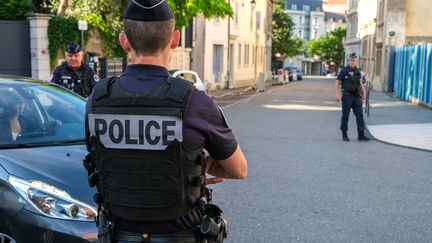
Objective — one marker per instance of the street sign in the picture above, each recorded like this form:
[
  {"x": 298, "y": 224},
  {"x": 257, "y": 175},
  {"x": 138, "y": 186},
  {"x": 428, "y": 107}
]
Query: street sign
[{"x": 82, "y": 25}]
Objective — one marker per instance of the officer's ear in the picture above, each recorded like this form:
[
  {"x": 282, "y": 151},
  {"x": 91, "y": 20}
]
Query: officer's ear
[
  {"x": 175, "y": 39},
  {"x": 124, "y": 42}
]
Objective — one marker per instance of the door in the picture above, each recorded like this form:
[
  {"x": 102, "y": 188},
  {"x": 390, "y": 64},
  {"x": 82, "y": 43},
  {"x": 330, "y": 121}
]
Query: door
[{"x": 217, "y": 63}]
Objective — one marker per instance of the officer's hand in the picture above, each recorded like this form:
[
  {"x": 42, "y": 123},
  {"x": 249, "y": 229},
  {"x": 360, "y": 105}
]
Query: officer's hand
[
  {"x": 363, "y": 95},
  {"x": 338, "y": 97},
  {"x": 213, "y": 180}
]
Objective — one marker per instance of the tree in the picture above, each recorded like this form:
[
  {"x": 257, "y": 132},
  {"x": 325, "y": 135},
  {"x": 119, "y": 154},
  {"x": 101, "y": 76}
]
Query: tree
[
  {"x": 329, "y": 48},
  {"x": 107, "y": 15},
  {"x": 284, "y": 43},
  {"x": 14, "y": 9}
]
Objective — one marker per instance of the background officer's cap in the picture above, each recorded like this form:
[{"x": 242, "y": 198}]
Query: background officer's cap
[
  {"x": 148, "y": 10},
  {"x": 353, "y": 55},
  {"x": 73, "y": 48}
]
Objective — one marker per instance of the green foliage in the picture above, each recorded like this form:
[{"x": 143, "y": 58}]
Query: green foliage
[
  {"x": 187, "y": 9},
  {"x": 329, "y": 48},
  {"x": 14, "y": 9},
  {"x": 61, "y": 31},
  {"x": 107, "y": 16},
  {"x": 283, "y": 42}
]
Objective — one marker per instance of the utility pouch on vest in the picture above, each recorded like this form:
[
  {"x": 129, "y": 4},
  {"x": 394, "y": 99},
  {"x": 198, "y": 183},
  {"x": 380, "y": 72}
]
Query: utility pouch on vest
[{"x": 351, "y": 84}]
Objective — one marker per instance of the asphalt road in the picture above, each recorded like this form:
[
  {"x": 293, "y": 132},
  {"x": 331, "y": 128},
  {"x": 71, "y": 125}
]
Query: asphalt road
[{"x": 306, "y": 185}]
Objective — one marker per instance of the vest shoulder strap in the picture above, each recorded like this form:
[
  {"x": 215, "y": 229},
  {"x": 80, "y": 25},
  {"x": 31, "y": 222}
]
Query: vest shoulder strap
[
  {"x": 178, "y": 90},
  {"x": 102, "y": 87}
]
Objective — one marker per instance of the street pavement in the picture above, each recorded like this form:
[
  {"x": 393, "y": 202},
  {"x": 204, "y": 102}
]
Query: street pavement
[
  {"x": 390, "y": 120},
  {"x": 305, "y": 184}
]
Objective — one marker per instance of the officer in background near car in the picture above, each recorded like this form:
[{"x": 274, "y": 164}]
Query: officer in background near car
[
  {"x": 353, "y": 93},
  {"x": 73, "y": 73},
  {"x": 147, "y": 135}
]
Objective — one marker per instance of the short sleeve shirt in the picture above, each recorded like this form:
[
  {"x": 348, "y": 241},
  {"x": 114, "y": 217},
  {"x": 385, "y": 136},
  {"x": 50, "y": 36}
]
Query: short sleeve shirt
[{"x": 203, "y": 127}]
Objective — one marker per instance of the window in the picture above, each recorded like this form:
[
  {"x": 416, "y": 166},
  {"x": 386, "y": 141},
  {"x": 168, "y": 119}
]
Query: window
[
  {"x": 246, "y": 55},
  {"x": 293, "y": 6},
  {"x": 315, "y": 34},
  {"x": 258, "y": 20},
  {"x": 315, "y": 21},
  {"x": 236, "y": 13},
  {"x": 239, "y": 55},
  {"x": 306, "y": 8},
  {"x": 378, "y": 60},
  {"x": 300, "y": 34},
  {"x": 301, "y": 20},
  {"x": 253, "y": 54}
]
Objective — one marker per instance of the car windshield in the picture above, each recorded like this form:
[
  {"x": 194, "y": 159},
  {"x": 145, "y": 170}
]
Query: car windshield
[{"x": 39, "y": 114}]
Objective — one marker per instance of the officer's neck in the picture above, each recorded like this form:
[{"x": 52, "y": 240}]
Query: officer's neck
[{"x": 157, "y": 60}]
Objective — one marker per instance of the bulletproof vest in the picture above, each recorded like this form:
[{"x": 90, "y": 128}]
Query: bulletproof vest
[
  {"x": 75, "y": 80},
  {"x": 145, "y": 174},
  {"x": 351, "y": 82}
]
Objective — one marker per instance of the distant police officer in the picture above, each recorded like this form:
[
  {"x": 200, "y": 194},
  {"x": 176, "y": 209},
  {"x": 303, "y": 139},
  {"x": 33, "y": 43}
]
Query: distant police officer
[
  {"x": 74, "y": 74},
  {"x": 353, "y": 93},
  {"x": 147, "y": 134}
]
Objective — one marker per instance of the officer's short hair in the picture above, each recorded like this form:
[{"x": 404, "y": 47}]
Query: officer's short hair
[
  {"x": 353, "y": 55},
  {"x": 149, "y": 37}
]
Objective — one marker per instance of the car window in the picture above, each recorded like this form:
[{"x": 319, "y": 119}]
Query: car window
[
  {"x": 188, "y": 76},
  {"x": 39, "y": 113}
]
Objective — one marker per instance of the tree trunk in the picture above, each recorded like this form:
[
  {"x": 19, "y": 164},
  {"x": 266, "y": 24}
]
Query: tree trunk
[{"x": 62, "y": 8}]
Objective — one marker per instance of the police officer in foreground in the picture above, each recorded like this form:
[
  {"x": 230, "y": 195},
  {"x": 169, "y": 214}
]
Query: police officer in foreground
[
  {"x": 73, "y": 73},
  {"x": 353, "y": 93},
  {"x": 148, "y": 134}
]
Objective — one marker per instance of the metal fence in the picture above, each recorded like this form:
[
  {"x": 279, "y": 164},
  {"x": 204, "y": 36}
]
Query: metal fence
[{"x": 413, "y": 73}]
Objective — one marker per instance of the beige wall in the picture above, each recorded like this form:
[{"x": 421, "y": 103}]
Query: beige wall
[{"x": 419, "y": 18}]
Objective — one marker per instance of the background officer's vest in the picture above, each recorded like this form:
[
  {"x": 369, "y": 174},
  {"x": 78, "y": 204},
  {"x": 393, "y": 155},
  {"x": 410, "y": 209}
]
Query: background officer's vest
[
  {"x": 144, "y": 172},
  {"x": 351, "y": 82},
  {"x": 75, "y": 80}
]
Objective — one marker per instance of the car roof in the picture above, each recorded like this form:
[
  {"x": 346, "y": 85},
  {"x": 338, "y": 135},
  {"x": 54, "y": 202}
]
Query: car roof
[{"x": 6, "y": 78}]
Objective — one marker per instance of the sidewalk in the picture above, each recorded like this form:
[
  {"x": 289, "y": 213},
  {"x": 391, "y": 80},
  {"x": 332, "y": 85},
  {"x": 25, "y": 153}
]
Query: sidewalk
[
  {"x": 221, "y": 93},
  {"x": 398, "y": 122}
]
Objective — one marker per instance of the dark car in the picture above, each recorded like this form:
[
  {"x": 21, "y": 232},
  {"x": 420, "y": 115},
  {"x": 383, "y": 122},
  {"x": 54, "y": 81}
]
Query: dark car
[
  {"x": 44, "y": 193},
  {"x": 294, "y": 73}
]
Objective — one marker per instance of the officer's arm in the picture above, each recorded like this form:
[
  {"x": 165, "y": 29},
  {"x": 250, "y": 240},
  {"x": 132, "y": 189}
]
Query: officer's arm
[
  {"x": 337, "y": 86},
  {"x": 55, "y": 77},
  {"x": 363, "y": 91},
  {"x": 234, "y": 167}
]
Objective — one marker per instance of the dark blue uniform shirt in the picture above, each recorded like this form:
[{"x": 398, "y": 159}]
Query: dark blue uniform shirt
[
  {"x": 203, "y": 126},
  {"x": 90, "y": 76}
]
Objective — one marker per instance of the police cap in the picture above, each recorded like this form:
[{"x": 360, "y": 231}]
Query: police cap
[
  {"x": 148, "y": 10},
  {"x": 73, "y": 48},
  {"x": 353, "y": 55}
]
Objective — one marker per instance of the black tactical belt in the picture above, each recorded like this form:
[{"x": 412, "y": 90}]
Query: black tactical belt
[{"x": 186, "y": 236}]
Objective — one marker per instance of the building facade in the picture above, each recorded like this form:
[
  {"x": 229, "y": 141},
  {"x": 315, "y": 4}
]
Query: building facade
[
  {"x": 352, "y": 41},
  {"x": 309, "y": 24},
  {"x": 233, "y": 52},
  {"x": 399, "y": 22}
]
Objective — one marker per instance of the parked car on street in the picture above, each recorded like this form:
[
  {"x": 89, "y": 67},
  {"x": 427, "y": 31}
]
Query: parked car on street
[
  {"x": 294, "y": 73},
  {"x": 44, "y": 193},
  {"x": 192, "y": 77}
]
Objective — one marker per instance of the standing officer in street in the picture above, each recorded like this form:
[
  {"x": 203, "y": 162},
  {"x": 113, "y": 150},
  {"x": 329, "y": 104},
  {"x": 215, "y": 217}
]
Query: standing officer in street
[
  {"x": 74, "y": 74},
  {"x": 147, "y": 134},
  {"x": 353, "y": 94}
]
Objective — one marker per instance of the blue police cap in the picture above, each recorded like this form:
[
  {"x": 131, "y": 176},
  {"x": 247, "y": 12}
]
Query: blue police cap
[
  {"x": 73, "y": 48},
  {"x": 148, "y": 10}
]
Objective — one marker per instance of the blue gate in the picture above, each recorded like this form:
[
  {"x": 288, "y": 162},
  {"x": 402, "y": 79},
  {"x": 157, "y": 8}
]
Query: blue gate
[{"x": 412, "y": 77}]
